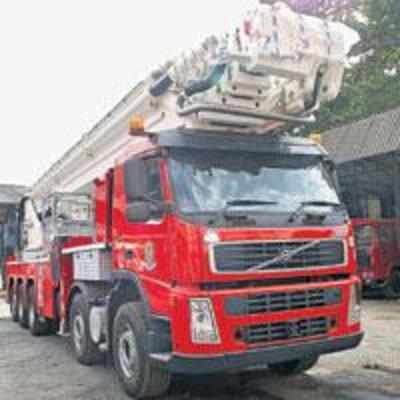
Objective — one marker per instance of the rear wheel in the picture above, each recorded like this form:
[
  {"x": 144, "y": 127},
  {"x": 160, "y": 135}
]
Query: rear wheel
[
  {"x": 14, "y": 304},
  {"x": 139, "y": 377},
  {"x": 37, "y": 326},
  {"x": 86, "y": 351},
  {"x": 294, "y": 367},
  {"x": 22, "y": 307},
  {"x": 392, "y": 288}
]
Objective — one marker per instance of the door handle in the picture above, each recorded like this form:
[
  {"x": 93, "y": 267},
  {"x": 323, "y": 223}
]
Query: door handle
[{"x": 129, "y": 255}]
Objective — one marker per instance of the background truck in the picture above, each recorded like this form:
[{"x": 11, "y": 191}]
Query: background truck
[
  {"x": 378, "y": 255},
  {"x": 209, "y": 239}
]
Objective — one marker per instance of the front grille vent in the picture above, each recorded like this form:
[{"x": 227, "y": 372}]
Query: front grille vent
[
  {"x": 277, "y": 331},
  {"x": 282, "y": 301}
]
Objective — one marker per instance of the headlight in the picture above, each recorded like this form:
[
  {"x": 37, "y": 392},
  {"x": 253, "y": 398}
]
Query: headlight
[
  {"x": 355, "y": 304},
  {"x": 203, "y": 325}
]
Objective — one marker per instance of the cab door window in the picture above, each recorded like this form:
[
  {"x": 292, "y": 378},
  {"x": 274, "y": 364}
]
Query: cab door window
[
  {"x": 143, "y": 184},
  {"x": 153, "y": 179}
]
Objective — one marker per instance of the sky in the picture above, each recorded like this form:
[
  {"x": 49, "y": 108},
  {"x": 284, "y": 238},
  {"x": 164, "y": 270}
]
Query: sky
[{"x": 65, "y": 63}]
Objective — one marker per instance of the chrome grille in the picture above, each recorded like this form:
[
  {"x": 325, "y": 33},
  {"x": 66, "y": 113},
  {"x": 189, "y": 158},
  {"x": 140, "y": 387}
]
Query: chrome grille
[
  {"x": 239, "y": 257},
  {"x": 267, "y": 333}
]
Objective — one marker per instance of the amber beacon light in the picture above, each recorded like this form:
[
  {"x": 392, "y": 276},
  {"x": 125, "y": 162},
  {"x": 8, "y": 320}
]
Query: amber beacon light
[{"x": 136, "y": 125}]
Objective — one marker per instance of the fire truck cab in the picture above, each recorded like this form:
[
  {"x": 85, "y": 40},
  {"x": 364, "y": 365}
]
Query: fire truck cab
[{"x": 207, "y": 253}]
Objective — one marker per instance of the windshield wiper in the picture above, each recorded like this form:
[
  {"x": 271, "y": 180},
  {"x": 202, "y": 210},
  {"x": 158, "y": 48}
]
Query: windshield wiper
[
  {"x": 242, "y": 203},
  {"x": 316, "y": 203},
  {"x": 248, "y": 203},
  {"x": 245, "y": 203}
]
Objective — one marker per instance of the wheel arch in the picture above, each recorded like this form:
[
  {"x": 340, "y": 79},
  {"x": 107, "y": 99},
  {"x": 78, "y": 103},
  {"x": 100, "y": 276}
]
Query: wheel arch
[
  {"x": 126, "y": 288},
  {"x": 29, "y": 283}
]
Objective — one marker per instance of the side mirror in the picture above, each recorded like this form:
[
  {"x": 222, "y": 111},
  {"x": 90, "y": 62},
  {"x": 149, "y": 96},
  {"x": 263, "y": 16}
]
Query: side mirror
[
  {"x": 135, "y": 179},
  {"x": 139, "y": 211}
]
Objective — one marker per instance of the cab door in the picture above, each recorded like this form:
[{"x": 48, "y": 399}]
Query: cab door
[{"x": 141, "y": 227}]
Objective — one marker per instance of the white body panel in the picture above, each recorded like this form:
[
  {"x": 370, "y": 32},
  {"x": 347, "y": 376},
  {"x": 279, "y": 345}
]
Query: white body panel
[{"x": 92, "y": 265}]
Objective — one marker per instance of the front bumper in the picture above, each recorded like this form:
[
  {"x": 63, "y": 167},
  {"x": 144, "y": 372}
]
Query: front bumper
[
  {"x": 234, "y": 322},
  {"x": 256, "y": 357}
]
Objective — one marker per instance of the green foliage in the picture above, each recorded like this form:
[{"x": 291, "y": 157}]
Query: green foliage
[{"x": 368, "y": 90}]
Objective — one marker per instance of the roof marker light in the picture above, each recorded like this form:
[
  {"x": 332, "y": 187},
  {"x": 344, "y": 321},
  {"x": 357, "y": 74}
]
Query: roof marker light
[{"x": 136, "y": 125}]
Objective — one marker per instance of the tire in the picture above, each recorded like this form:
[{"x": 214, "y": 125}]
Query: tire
[
  {"x": 14, "y": 304},
  {"x": 37, "y": 327},
  {"x": 294, "y": 367},
  {"x": 138, "y": 376},
  {"x": 22, "y": 307},
  {"x": 391, "y": 290},
  {"x": 86, "y": 351}
]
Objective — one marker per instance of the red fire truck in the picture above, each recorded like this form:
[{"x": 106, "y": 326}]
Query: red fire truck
[
  {"x": 378, "y": 255},
  {"x": 216, "y": 242},
  {"x": 182, "y": 279}
]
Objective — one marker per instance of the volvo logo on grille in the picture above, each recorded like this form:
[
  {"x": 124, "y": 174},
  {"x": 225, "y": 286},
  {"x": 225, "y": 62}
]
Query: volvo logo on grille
[
  {"x": 285, "y": 255},
  {"x": 293, "y": 329}
]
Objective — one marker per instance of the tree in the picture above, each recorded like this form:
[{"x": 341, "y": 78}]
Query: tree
[
  {"x": 338, "y": 9},
  {"x": 373, "y": 84}
]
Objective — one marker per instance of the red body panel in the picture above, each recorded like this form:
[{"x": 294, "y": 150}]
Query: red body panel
[{"x": 39, "y": 274}]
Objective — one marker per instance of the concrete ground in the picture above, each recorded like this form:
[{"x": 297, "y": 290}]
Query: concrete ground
[{"x": 44, "y": 368}]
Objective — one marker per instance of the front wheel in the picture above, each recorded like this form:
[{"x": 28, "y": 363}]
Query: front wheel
[
  {"x": 138, "y": 376},
  {"x": 294, "y": 367}
]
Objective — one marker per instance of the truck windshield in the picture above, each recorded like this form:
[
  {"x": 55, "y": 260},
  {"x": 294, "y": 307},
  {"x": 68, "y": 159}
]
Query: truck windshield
[{"x": 205, "y": 181}]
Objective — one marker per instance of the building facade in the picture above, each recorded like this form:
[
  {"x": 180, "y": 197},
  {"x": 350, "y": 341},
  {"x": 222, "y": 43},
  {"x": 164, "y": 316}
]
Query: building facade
[{"x": 367, "y": 154}]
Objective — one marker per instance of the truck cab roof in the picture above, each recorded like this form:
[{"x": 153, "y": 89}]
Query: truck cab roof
[{"x": 209, "y": 140}]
